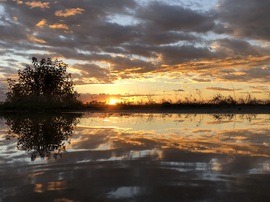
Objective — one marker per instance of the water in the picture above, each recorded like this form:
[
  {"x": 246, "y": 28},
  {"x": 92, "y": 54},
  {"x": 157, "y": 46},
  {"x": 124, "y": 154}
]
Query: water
[{"x": 135, "y": 157}]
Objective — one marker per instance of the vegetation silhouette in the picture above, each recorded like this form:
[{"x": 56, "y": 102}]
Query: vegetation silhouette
[
  {"x": 44, "y": 84},
  {"x": 41, "y": 135}
]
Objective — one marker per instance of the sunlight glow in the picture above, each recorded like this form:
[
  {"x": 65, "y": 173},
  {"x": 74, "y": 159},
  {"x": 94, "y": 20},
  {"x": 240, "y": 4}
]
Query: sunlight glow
[{"x": 113, "y": 101}]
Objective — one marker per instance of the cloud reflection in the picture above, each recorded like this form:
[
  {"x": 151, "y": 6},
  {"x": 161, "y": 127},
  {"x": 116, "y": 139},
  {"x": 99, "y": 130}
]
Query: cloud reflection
[{"x": 241, "y": 139}]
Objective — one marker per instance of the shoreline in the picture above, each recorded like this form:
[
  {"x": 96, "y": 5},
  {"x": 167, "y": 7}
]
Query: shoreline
[
  {"x": 156, "y": 108},
  {"x": 191, "y": 110}
]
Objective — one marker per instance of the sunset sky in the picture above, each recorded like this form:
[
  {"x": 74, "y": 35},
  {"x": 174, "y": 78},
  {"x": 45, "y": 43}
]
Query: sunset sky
[{"x": 144, "y": 49}]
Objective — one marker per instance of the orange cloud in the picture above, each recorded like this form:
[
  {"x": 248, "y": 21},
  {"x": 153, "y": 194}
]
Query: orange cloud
[
  {"x": 35, "y": 39},
  {"x": 37, "y": 4},
  {"x": 19, "y": 2},
  {"x": 15, "y": 18},
  {"x": 59, "y": 26},
  {"x": 69, "y": 12},
  {"x": 41, "y": 23}
]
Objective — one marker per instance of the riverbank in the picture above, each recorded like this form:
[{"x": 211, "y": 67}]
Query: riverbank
[
  {"x": 153, "y": 108},
  {"x": 194, "y": 109}
]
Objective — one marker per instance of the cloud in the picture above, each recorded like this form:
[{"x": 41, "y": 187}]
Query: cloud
[
  {"x": 69, "y": 12},
  {"x": 261, "y": 88},
  {"x": 92, "y": 73},
  {"x": 244, "y": 18},
  {"x": 41, "y": 23},
  {"x": 38, "y": 4},
  {"x": 59, "y": 26},
  {"x": 36, "y": 40},
  {"x": 201, "y": 80},
  {"x": 235, "y": 48},
  {"x": 157, "y": 15},
  {"x": 179, "y": 90},
  {"x": 174, "y": 55},
  {"x": 253, "y": 75},
  {"x": 7, "y": 71},
  {"x": 130, "y": 65},
  {"x": 220, "y": 89}
]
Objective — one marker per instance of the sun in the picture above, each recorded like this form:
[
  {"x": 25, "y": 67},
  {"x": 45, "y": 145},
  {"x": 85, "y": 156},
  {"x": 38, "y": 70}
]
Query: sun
[{"x": 113, "y": 101}]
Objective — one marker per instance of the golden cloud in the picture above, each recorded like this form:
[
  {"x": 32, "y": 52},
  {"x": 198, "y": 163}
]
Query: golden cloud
[
  {"x": 38, "y": 4},
  {"x": 35, "y": 39},
  {"x": 69, "y": 12},
  {"x": 41, "y": 23},
  {"x": 19, "y": 2},
  {"x": 59, "y": 26}
]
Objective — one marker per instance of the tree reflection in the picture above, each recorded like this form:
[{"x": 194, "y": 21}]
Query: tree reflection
[{"x": 42, "y": 135}]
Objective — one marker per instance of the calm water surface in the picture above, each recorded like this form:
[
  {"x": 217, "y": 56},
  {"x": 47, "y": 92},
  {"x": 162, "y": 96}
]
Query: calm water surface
[{"x": 135, "y": 157}]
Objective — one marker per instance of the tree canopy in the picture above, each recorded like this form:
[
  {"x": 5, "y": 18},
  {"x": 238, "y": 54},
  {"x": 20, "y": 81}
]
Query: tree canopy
[{"x": 43, "y": 82}]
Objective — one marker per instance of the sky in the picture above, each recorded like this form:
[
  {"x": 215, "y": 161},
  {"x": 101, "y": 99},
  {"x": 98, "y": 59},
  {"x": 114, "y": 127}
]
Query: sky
[{"x": 143, "y": 50}]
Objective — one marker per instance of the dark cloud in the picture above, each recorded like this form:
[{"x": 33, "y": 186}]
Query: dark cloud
[
  {"x": 174, "y": 55},
  {"x": 220, "y": 89},
  {"x": 7, "y": 71},
  {"x": 261, "y": 88},
  {"x": 171, "y": 17},
  {"x": 202, "y": 80},
  {"x": 179, "y": 90},
  {"x": 92, "y": 73},
  {"x": 234, "y": 47},
  {"x": 129, "y": 65},
  {"x": 9, "y": 29},
  {"x": 253, "y": 75},
  {"x": 245, "y": 18},
  {"x": 159, "y": 37}
]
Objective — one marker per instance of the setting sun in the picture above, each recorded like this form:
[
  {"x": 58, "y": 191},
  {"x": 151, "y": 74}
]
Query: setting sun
[{"x": 113, "y": 101}]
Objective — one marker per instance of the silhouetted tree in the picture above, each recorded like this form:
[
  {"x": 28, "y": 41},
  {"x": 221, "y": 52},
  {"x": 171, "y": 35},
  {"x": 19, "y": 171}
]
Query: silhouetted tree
[
  {"x": 41, "y": 135},
  {"x": 45, "y": 81}
]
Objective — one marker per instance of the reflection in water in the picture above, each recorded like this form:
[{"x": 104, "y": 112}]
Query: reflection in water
[
  {"x": 220, "y": 134},
  {"x": 138, "y": 157},
  {"x": 41, "y": 135}
]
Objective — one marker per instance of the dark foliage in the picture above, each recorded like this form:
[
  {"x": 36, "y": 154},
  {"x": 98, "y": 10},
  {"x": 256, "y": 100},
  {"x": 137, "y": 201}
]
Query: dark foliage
[{"x": 42, "y": 84}]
